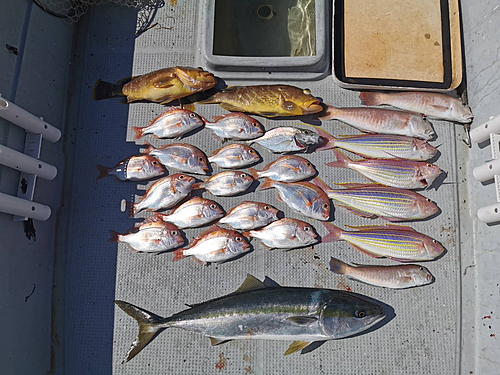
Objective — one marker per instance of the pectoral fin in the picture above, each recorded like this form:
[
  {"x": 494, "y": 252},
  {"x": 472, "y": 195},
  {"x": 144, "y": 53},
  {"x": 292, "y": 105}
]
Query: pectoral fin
[
  {"x": 296, "y": 346},
  {"x": 291, "y": 107},
  {"x": 215, "y": 341},
  {"x": 302, "y": 320},
  {"x": 230, "y": 107}
]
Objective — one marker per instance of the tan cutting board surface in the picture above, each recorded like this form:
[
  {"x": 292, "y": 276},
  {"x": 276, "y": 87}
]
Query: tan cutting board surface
[{"x": 393, "y": 39}]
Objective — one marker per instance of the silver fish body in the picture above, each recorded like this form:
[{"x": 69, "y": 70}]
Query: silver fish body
[
  {"x": 250, "y": 215},
  {"x": 393, "y": 277},
  {"x": 164, "y": 193},
  {"x": 288, "y": 168},
  {"x": 134, "y": 168},
  {"x": 182, "y": 157},
  {"x": 238, "y": 126},
  {"x": 152, "y": 237},
  {"x": 227, "y": 183},
  {"x": 234, "y": 156},
  {"x": 257, "y": 311},
  {"x": 171, "y": 124},
  {"x": 196, "y": 212},
  {"x": 286, "y": 234},
  {"x": 288, "y": 139}
]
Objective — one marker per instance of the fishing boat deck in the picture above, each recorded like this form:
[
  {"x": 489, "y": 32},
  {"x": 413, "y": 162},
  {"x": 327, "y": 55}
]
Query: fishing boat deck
[{"x": 436, "y": 329}]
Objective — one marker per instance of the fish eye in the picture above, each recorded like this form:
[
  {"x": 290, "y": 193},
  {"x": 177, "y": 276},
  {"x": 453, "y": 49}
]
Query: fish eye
[
  {"x": 238, "y": 239},
  {"x": 192, "y": 114},
  {"x": 325, "y": 205},
  {"x": 251, "y": 151},
  {"x": 200, "y": 158},
  {"x": 243, "y": 175},
  {"x": 360, "y": 314},
  {"x": 213, "y": 206},
  {"x": 267, "y": 208},
  {"x": 428, "y": 200},
  {"x": 307, "y": 229},
  {"x": 155, "y": 162},
  {"x": 422, "y": 269},
  {"x": 308, "y": 164},
  {"x": 174, "y": 233},
  {"x": 429, "y": 165},
  {"x": 255, "y": 123},
  {"x": 434, "y": 241},
  {"x": 181, "y": 177}
]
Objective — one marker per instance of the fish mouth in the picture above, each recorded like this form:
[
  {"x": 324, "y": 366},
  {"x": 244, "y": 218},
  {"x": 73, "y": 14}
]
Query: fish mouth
[
  {"x": 372, "y": 320},
  {"x": 314, "y": 107}
]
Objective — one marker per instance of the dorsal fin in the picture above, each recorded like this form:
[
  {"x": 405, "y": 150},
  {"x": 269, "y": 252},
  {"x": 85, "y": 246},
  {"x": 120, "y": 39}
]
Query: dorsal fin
[{"x": 250, "y": 283}]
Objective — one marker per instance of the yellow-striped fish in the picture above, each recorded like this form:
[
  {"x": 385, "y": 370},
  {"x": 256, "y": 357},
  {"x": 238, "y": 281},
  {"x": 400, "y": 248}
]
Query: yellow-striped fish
[{"x": 399, "y": 243}]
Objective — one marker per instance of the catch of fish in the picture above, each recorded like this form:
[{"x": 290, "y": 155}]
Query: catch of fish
[{"x": 395, "y": 145}]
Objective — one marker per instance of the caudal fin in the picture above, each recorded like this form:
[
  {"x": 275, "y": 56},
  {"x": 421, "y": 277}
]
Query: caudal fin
[
  {"x": 105, "y": 90},
  {"x": 178, "y": 255},
  {"x": 328, "y": 139},
  {"x": 198, "y": 186},
  {"x": 149, "y": 327},
  {"x": 370, "y": 98},
  {"x": 254, "y": 172},
  {"x": 115, "y": 236},
  {"x": 268, "y": 184},
  {"x": 341, "y": 162},
  {"x": 331, "y": 113},
  {"x": 322, "y": 185},
  {"x": 335, "y": 232},
  {"x": 103, "y": 171},
  {"x": 138, "y": 130},
  {"x": 338, "y": 267},
  {"x": 132, "y": 209}
]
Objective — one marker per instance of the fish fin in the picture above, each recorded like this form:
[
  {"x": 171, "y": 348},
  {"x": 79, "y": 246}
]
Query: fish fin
[
  {"x": 439, "y": 107},
  {"x": 381, "y": 227},
  {"x": 153, "y": 219},
  {"x": 354, "y": 185},
  {"x": 148, "y": 327},
  {"x": 321, "y": 184},
  {"x": 217, "y": 118},
  {"x": 103, "y": 171},
  {"x": 115, "y": 236},
  {"x": 341, "y": 162},
  {"x": 268, "y": 114},
  {"x": 105, "y": 90},
  {"x": 213, "y": 228},
  {"x": 131, "y": 207},
  {"x": 296, "y": 346},
  {"x": 254, "y": 172},
  {"x": 373, "y": 255},
  {"x": 215, "y": 341},
  {"x": 335, "y": 232},
  {"x": 270, "y": 283},
  {"x": 338, "y": 267},
  {"x": 358, "y": 212},
  {"x": 178, "y": 255},
  {"x": 230, "y": 107},
  {"x": 291, "y": 107},
  {"x": 198, "y": 186},
  {"x": 248, "y": 234},
  {"x": 250, "y": 283},
  {"x": 161, "y": 83},
  {"x": 199, "y": 261},
  {"x": 166, "y": 100},
  {"x": 138, "y": 130},
  {"x": 149, "y": 147},
  {"x": 302, "y": 320},
  {"x": 328, "y": 139},
  {"x": 210, "y": 100},
  {"x": 331, "y": 113},
  {"x": 370, "y": 98},
  {"x": 268, "y": 184},
  {"x": 189, "y": 106}
]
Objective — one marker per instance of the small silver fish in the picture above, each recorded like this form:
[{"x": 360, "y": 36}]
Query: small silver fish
[
  {"x": 250, "y": 215},
  {"x": 170, "y": 124},
  {"x": 226, "y": 183},
  {"x": 285, "y": 234},
  {"x": 237, "y": 126},
  {"x": 194, "y": 213},
  {"x": 288, "y": 168},
  {"x": 431, "y": 104},
  {"x": 134, "y": 168},
  {"x": 404, "y": 174},
  {"x": 288, "y": 139},
  {"x": 215, "y": 245},
  {"x": 303, "y": 197},
  {"x": 181, "y": 156},
  {"x": 234, "y": 156},
  {"x": 151, "y": 237},
  {"x": 394, "y": 277},
  {"x": 164, "y": 193},
  {"x": 380, "y": 146}
]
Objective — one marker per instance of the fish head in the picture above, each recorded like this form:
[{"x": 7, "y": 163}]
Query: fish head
[
  {"x": 424, "y": 149},
  {"x": 347, "y": 314},
  {"x": 249, "y": 124},
  {"x": 172, "y": 235},
  {"x": 182, "y": 182},
  {"x": 307, "y": 137},
  {"x": 249, "y": 154},
  {"x": 237, "y": 243},
  {"x": 267, "y": 213},
  {"x": 426, "y": 207},
  {"x": 432, "y": 247},
  {"x": 196, "y": 79},
  {"x": 243, "y": 179},
  {"x": 198, "y": 162},
  {"x": 306, "y": 234},
  {"x": 421, "y": 275},
  {"x": 151, "y": 166},
  {"x": 420, "y": 127},
  {"x": 191, "y": 119},
  {"x": 308, "y": 103},
  {"x": 321, "y": 207},
  {"x": 212, "y": 209},
  {"x": 427, "y": 173},
  {"x": 306, "y": 168},
  {"x": 461, "y": 112}
]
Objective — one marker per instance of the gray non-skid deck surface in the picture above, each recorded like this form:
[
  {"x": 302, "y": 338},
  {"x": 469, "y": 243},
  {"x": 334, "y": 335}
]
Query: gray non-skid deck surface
[{"x": 420, "y": 339}]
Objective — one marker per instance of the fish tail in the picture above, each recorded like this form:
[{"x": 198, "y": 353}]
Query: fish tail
[
  {"x": 328, "y": 139},
  {"x": 149, "y": 327},
  {"x": 341, "y": 162},
  {"x": 334, "y": 235},
  {"x": 138, "y": 130},
  {"x": 321, "y": 184},
  {"x": 149, "y": 147},
  {"x": 198, "y": 186},
  {"x": 115, "y": 236},
  {"x": 103, "y": 171},
  {"x": 132, "y": 209},
  {"x": 268, "y": 184},
  {"x": 210, "y": 100},
  {"x": 105, "y": 90},
  {"x": 178, "y": 255},
  {"x": 370, "y": 98},
  {"x": 338, "y": 267},
  {"x": 254, "y": 172},
  {"x": 331, "y": 113},
  {"x": 248, "y": 234}
]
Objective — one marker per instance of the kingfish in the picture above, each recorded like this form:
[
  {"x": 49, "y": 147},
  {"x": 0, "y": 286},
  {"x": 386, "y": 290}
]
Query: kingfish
[
  {"x": 134, "y": 168},
  {"x": 265, "y": 311},
  {"x": 431, "y": 104}
]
